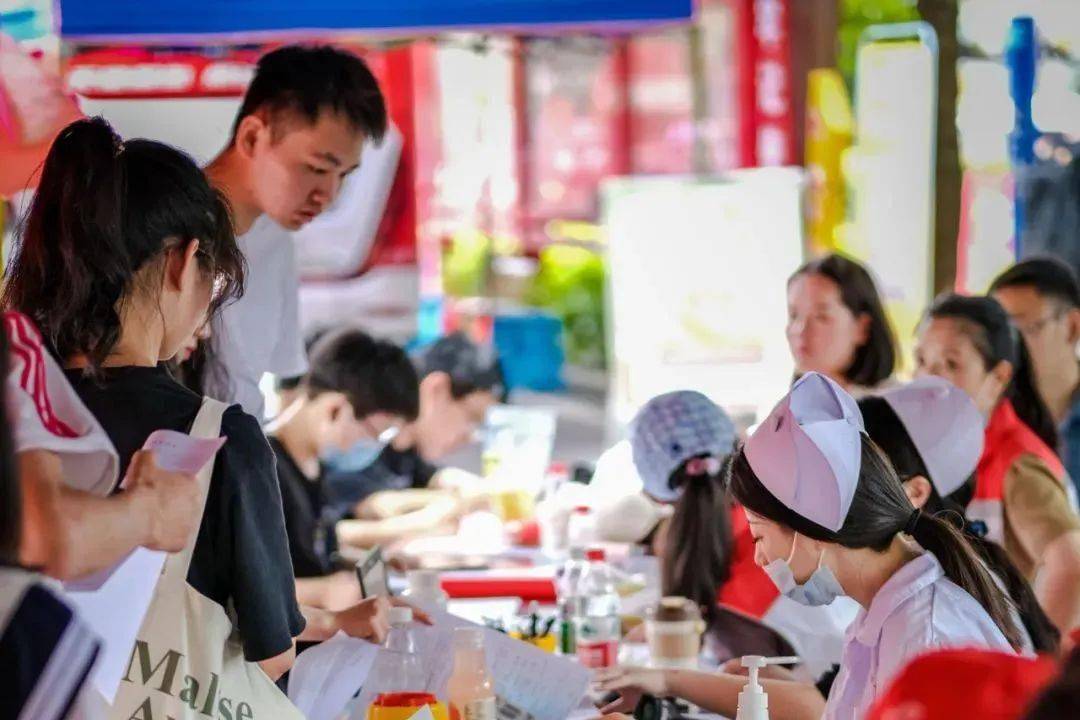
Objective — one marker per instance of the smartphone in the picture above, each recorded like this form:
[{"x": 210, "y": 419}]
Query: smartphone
[{"x": 371, "y": 572}]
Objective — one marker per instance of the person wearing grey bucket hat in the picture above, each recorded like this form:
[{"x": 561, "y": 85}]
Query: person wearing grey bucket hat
[{"x": 672, "y": 429}]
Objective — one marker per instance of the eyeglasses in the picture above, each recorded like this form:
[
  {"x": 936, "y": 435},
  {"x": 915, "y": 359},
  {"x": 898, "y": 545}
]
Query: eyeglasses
[
  {"x": 383, "y": 436},
  {"x": 1035, "y": 327}
]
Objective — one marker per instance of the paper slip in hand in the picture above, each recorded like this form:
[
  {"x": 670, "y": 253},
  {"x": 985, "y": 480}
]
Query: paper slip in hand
[
  {"x": 177, "y": 452},
  {"x": 326, "y": 677},
  {"x": 173, "y": 452}
]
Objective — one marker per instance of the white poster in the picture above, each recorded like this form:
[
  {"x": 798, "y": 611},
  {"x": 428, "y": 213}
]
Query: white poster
[
  {"x": 891, "y": 172},
  {"x": 698, "y": 271}
]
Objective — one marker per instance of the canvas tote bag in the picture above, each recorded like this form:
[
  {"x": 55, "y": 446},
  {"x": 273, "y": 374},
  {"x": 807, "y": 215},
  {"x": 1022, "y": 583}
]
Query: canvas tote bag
[{"x": 188, "y": 663}]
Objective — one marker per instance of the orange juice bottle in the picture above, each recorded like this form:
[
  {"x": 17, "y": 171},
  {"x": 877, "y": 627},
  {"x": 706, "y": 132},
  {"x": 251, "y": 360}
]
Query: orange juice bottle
[{"x": 470, "y": 690}]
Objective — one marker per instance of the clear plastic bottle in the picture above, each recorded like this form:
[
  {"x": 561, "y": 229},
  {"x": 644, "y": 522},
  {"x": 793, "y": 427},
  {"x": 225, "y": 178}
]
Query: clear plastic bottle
[
  {"x": 581, "y": 527},
  {"x": 569, "y": 599},
  {"x": 397, "y": 668},
  {"x": 599, "y": 626},
  {"x": 425, "y": 591},
  {"x": 470, "y": 689}
]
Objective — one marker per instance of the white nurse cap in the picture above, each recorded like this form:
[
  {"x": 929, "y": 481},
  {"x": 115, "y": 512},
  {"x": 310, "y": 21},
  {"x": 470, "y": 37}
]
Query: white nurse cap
[
  {"x": 808, "y": 452},
  {"x": 945, "y": 427}
]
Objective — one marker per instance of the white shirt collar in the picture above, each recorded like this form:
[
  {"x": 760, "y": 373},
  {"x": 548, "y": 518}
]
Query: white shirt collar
[{"x": 909, "y": 580}]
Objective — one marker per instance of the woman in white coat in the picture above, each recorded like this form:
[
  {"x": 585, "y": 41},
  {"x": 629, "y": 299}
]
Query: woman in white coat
[{"x": 829, "y": 518}]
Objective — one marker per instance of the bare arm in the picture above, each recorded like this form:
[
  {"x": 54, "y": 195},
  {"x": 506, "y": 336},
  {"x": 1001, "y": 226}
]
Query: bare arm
[
  {"x": 391, "y": 503},
  {"x": 70, "y": 533},
  {"x": 718, "y": 693},
  {"x": 332, "y": 592},
  {"x": 319, "y": 625},
  {"x": 1058, "y": 583},
  {"x": 277, "y": 666},
  {"x": 1048, "y": 530},
  {"x": 367, "y": 533}
]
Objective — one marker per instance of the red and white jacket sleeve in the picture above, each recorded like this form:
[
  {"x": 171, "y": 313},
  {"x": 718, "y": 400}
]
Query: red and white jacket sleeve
[{"x": 46, "y": 414}]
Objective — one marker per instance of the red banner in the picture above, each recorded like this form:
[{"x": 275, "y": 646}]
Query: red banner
[{"x": 767, "y": 113}]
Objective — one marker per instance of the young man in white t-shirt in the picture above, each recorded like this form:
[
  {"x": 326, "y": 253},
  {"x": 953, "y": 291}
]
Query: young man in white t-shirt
[{"x": 299, "y": 133}]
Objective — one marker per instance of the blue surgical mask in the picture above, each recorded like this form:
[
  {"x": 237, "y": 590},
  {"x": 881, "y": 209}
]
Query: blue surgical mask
[
  {"x": 821, "y": 588},
  {"x": 358, "y": 457}
]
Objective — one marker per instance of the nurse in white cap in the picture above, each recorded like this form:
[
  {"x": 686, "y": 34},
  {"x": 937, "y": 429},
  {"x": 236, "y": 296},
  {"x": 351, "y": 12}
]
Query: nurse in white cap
[
  {"x": 830, "y": 518},
  {"x": 678, "y": 442},
  {"x": 932, "y": 433}
]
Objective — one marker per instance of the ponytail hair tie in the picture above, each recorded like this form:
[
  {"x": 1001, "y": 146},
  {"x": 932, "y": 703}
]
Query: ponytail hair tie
[
  {"x": 912, "y": 521},
  {"x": 696, "y": 467}
]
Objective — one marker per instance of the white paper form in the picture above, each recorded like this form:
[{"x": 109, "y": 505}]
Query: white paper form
[
  {"x": 326, "y": 677},
  {"x": 114, "y": 602},
  {"x": 545, "y": 686}
]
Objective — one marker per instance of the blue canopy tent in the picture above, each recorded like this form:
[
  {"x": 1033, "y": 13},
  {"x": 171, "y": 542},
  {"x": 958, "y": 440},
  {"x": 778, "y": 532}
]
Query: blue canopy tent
[{"x": 172, "y": 21}]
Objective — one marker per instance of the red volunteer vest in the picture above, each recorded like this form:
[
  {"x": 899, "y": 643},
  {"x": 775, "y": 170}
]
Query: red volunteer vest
[
  {"x": 748, "y": 589},
  {"x": 1007, "y": 438}
]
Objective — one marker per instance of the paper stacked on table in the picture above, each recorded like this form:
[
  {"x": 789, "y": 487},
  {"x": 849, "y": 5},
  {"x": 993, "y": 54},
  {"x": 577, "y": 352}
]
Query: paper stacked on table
[
  {"x": 528, "y": 681},
  {"x": 114, "y": 602}
]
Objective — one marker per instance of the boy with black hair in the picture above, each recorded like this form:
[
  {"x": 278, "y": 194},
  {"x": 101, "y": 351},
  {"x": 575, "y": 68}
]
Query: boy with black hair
[
  {"x": 1042, "y": 297},
  {"x": 357, "y": 395},
  {"x": 304, "y": 120},
  {"x": 459, "y": 381}
]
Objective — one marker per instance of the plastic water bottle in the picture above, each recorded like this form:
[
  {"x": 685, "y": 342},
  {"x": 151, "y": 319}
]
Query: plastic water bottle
[
  {"x": 470, "y": 688},
  {"x": 599, "y": 627},
  {"x": 569, "y": 599},
  {"x": 581, "y": 527},
  {"x": 397, "y": 667},
  {"x": 425, "y": 592}
]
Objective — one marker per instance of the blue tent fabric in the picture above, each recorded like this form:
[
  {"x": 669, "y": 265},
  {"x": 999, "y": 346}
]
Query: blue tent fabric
[{"x": 169, "y": 19}]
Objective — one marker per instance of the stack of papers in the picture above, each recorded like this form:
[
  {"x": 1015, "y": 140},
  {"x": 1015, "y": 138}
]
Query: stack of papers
[{"x": 543, "y": 686}]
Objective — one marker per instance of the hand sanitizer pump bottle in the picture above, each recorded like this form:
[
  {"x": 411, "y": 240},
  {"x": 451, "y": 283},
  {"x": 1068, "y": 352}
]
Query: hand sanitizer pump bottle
[{"x": 753, "y": 702}]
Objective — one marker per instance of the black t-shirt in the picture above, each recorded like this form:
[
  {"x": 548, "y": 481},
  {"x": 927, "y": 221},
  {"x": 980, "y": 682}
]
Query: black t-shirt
[
  {"x": 308, "y": 521},
  {"x": 241, "y": 555},
  {"x": 392, "y": 470}
]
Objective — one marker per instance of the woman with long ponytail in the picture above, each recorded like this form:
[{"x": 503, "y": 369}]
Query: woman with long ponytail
[
  {"x": 127, "y": 250},
  {"x": 830, "y": 518},
  {"x": 1021, "y": 494},
  {"x": 932, "y": 434}
]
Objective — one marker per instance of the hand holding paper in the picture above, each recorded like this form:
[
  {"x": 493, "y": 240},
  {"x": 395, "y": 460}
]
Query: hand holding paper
[
  {"x": 162, "y": 476},
  {"x": 177, "y": 452}
]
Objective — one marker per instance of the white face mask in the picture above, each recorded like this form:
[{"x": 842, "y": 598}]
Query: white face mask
[
  {"x": 363, "y": 453},
  {"x": 821, "y": 588}
]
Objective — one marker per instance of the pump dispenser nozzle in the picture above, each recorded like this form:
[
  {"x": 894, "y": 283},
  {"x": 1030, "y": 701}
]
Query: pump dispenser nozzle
[{"x": 753, "y": 702}]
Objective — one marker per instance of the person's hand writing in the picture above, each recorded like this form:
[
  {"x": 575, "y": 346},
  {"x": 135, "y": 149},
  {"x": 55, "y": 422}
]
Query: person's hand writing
[
  {"x": 418, "y": 615},
  {"x": 631, "y": 683},
  {"x": 171, "y": 501},
  {"x": 368, "y": 619}
]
